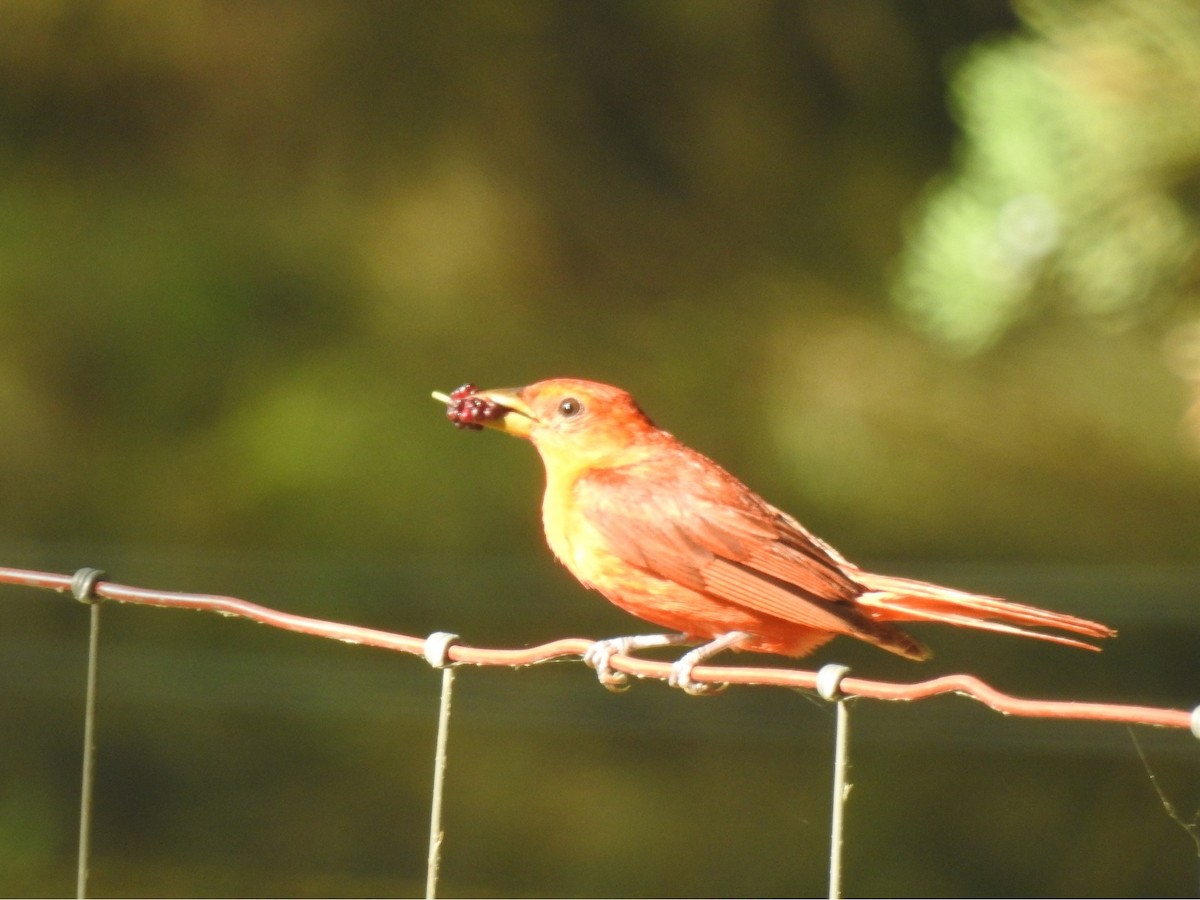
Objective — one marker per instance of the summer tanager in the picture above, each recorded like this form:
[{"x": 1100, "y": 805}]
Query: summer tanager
[{"x": 668, "y": 535}]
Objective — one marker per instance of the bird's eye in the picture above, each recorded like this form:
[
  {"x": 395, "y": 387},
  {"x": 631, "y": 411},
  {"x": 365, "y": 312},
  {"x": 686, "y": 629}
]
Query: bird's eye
[{"x": 570, "y": 408}]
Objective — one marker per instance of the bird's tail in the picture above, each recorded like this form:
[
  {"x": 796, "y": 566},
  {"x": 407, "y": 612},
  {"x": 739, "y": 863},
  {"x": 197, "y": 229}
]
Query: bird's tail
[{"x": 901, "y": 599}]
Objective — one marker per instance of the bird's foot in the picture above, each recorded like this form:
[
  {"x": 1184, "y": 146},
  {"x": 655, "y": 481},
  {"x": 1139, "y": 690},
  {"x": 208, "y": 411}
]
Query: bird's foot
[
  {"x": 681, "y": 671},
  {"x": 681, "y": 677},
  {"x": 599, "y": 655}
]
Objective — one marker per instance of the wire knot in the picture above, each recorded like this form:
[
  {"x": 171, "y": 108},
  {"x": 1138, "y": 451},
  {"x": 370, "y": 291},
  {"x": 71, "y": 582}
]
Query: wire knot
[
  {"x": 437, "y": 648},
  {"x": 829, "y": 681},
  {"x": 83, "y": 584}
]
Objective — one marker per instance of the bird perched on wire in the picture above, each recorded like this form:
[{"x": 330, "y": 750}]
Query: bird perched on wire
[{"x": 668, "y": 535}]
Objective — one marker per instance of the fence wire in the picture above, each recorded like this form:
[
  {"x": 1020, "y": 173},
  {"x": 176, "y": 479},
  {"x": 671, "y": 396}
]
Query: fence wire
[{"x": 445, "y": 651}]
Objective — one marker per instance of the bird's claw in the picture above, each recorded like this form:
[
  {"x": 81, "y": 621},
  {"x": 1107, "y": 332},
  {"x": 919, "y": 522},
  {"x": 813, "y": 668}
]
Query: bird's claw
[
  {"x": 681, "y": 677},
  {"x": 599, "y": 657},
  {"x": 615, "y": 682}
]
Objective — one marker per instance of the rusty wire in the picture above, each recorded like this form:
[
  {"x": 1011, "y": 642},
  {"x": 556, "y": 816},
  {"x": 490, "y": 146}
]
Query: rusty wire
[{"x": 964, "y": 684}]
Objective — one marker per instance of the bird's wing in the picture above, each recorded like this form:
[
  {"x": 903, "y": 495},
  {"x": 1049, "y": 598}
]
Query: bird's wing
[{"x": 698, "y": 526}]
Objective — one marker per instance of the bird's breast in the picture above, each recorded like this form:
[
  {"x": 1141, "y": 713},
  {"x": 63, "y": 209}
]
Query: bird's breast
[{"x": 571, "y": 538}]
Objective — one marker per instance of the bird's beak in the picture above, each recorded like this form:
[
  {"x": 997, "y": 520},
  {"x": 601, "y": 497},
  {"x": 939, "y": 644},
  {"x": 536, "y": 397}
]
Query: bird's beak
[
  {"x": 513, "y": 416},
  {"x": 519, "y": 418}
]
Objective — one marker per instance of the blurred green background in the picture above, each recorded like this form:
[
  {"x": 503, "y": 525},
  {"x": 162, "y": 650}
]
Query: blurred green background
[{"x": 924, "y": 274}]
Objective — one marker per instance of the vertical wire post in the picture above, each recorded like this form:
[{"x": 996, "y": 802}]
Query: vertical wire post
[
  {"x": 83, "y": 589},
  {"x": 836, "y": 827},
  {"x": 437, "y": 648},
  {"x": 829, "y": 680},
  {"x": 89, "y": 756}
]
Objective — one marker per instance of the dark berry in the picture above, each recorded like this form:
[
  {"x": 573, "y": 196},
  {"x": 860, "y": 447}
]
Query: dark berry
[{"x": 466, "y": 410}]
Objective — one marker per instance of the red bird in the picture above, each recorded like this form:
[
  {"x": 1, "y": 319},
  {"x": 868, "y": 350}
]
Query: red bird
[{"x": 667, "y": 534}]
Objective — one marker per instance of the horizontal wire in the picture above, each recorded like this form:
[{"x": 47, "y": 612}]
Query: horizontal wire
[{"x": 963, "y": 684}]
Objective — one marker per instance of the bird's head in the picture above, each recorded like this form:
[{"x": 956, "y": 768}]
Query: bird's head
[{"x": 572, "y": 422}]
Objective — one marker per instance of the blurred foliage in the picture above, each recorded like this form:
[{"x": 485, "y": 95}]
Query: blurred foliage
[
  {"x": 241, "y": 242},
  {"x": 1078, "y": 182},
  {"x": 237, "y": 249}
]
